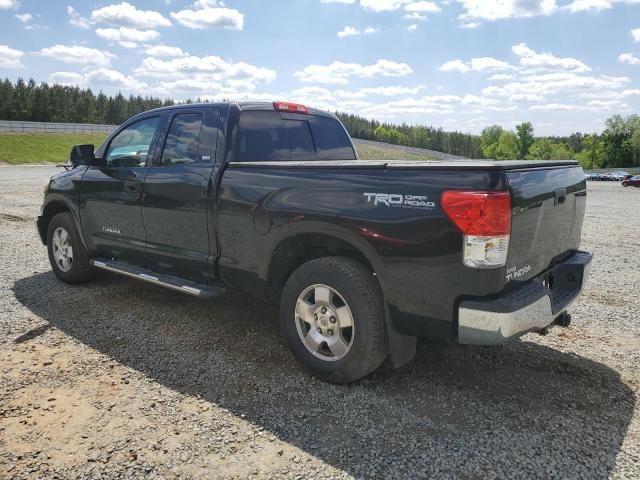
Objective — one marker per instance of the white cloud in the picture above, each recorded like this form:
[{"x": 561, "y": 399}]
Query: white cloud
[
  {"x": 104, "y": 77},
  {"x": 556, "y": 107},
  {"x": 76, "y": 19},
  {"x": 126, "y": 14},
  {"x": 77, "y": 54},
  {"x": 10, "y": 58},
  {"x": 412, "y": 27},
  {"x": 164, "y": 51},
  {"x": 498, "y": 77},
  {"x": 338, "y": 1},
  {"x": 422, "y": 7},
  {"x": 127, "y": 37},
  {"x": 192, "y": 72},
  {"x": 501, "y": 9},
  {"x": 635, "y": 33},
  {"x": 611, "y": 94},
  {"x": 588, "y": 5},
  {"x": 190, "y": 85},
  {"x": 594, "y": 5},
  {"x": 324, "y": 98},
  {"x": 481, "y": 64},
  {"x": 113, "y": 78},
  {"x": 67, "y": 78},
  {"x": 594, "y": 105},
  {"x": 556, "y": 84},
  {"x": 455, "y": 66},
  {"x": 415, "y": 16},
  {"x": 209, "y": 13},
  {"x": 349, "y": 31},
  {"x": 8, "y": 4},
  {"x": 526, "y": 97},
  {"x": 382, "y": 5},
  {"x": 24, "y": 17},
  {"x": 391, "y": 91},
  {"x": 340, "y": 72},
  {"x": 531, "y": 59},
  {"x": 490, "y": 10},
  {"x": 629, "y": 59}
]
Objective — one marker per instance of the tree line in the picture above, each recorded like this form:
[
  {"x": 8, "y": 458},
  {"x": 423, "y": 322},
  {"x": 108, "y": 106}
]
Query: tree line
[
  {"x": 617, "y": 146},
  {"x": 28, "y": 101},
  {"x": 432, "y": 138}
]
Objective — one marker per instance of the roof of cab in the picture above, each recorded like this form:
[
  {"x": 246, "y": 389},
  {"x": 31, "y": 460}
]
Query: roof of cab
[{"x": 242, "y": 106}]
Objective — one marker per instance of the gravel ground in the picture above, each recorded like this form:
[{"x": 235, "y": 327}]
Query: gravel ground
[{"x": 118, "y": 379}]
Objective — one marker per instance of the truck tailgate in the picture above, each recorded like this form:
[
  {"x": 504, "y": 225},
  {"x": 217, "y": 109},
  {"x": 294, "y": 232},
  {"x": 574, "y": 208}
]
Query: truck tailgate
[{"x": 548, "y": 207}]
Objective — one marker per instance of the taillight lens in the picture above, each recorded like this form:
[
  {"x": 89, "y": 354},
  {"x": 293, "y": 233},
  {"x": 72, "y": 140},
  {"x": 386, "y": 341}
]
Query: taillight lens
[{"x": 485, "y": 220}]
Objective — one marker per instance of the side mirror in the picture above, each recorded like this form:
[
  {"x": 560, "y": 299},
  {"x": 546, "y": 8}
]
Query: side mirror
[{"x": 82, "y": 155}]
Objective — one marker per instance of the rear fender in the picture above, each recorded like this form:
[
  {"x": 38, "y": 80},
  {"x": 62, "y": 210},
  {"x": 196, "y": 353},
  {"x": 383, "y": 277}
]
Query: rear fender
[{"x": 402, "y": 348}]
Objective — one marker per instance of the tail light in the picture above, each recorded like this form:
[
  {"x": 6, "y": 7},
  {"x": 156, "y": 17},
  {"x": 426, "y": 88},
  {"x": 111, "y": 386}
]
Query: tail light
[
  {"x": 290, "y": 107},
  {"x": 484, "y": 218}
]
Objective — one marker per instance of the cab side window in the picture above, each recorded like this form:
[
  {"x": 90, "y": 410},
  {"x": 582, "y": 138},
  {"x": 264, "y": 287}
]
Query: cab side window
[
  {"x": 130, "y": 147},
  {"x": 182, "y": 146}
]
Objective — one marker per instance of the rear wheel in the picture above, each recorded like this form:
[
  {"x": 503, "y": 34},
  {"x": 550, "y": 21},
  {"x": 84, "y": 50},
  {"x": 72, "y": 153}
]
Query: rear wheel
[
  {"x": 67, "y": 255},
  {"x": 332, "y": 316}
]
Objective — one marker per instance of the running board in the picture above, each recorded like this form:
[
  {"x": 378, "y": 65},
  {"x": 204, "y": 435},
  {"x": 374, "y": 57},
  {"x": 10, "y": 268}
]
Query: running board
[{"x": 168, "y": 281}]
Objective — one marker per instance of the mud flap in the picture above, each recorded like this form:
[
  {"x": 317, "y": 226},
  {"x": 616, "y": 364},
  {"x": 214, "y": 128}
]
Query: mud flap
[{"x": 402, "y": 348}]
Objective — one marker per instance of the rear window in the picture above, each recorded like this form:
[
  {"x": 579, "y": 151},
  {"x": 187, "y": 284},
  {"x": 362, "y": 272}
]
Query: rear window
[
  {"x": 332, "y": 142},
  {"x": 265, "y": 135}
]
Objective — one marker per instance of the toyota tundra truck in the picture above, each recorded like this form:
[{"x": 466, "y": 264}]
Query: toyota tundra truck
[{"x": 363, "y": 257}]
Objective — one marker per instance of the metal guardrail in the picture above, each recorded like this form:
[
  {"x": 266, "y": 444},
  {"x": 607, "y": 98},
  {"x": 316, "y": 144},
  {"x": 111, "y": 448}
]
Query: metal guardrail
[
  {"x": 48, "y": 127},
  {"x": 402, "y": 148}
]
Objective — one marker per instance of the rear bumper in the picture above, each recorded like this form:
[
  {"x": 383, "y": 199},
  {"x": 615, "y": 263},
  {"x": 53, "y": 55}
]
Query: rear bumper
[{"x": 531, "y": 307}]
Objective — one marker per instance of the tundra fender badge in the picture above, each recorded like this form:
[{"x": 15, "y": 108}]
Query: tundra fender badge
[
  {"x": 514, "y": 272},
  {"x": 398, "y": 200}
]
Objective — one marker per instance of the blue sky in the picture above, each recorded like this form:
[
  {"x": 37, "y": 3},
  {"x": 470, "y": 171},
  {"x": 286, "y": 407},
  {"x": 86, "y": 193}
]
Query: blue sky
[{"x": 565, "y": 65}]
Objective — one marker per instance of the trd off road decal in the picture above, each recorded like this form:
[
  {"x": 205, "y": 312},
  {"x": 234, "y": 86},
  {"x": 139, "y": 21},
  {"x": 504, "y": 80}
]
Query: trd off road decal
[{"x": 400, "y": 201}]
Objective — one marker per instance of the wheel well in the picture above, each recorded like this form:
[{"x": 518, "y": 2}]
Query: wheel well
[
  {"x": 50, "y": 211},
  {"x": 295, "y": 251}
]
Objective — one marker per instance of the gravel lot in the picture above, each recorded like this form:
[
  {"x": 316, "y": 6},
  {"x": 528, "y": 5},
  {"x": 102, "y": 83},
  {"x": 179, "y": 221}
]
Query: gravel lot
[{"x": 118, "y": 379}]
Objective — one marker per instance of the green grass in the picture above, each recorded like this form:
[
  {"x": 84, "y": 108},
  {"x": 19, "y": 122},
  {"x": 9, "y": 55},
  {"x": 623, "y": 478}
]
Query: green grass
[
  {"x": 18, "y": 148},
  {"x": 368, "y": 152}
]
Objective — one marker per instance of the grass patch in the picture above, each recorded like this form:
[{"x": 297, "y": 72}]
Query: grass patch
[
  {"x": 368, "y": 152},
  {"x": 18, "y": 148}
]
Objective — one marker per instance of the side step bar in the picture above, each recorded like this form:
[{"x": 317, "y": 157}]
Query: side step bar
[{"x": 168, "y": 281}]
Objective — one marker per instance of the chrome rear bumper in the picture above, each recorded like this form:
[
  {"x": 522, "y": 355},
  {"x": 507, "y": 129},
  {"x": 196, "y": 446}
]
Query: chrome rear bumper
[{"x": 531, "y": 307}]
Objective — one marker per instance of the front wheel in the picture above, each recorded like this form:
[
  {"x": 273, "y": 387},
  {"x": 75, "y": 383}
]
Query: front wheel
[
  {"x": 332, "y": 315},
  {"x": 67, "y": 255}
]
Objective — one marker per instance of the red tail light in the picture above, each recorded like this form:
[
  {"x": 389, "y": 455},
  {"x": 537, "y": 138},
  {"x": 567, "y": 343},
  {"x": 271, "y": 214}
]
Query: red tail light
[
  {"x": 290, "y": 107},
  {"x": 479, "y": 213}
]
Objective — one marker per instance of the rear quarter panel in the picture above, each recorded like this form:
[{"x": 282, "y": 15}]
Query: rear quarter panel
[{"x": 416, "y": 252}]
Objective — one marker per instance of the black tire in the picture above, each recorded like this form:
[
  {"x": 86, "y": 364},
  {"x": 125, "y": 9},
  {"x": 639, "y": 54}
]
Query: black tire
[
  {"x": 81, "y": 270},
  {"x": 358, "y": 288}
]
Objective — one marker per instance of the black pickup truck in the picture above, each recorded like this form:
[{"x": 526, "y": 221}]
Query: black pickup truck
[{"x": 363, "y": 256}]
